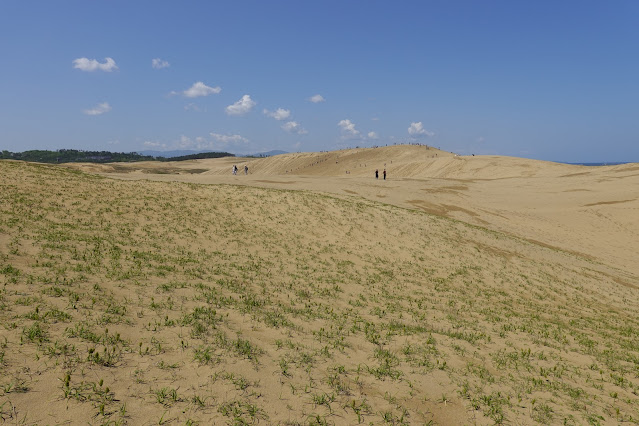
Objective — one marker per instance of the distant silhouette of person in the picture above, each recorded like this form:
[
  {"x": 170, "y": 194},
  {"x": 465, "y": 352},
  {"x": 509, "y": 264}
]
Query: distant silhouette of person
[
  {"x": 384, "y": 174},
  {"x": 234, "y": 169},
  {"x": 376, "y": 174},
  {"x": 246, "y": 170}
]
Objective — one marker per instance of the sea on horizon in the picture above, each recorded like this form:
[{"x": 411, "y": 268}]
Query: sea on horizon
[{"x": 612, "y": 163}]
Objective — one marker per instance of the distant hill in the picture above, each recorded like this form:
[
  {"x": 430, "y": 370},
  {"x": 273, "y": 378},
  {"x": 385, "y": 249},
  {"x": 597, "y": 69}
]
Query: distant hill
[
  {"x": 199, "y": 156},
  {"x": 171, "y": 154},
  {"x": 79, "y": 156},
  {"x": 73, "y": 156}
]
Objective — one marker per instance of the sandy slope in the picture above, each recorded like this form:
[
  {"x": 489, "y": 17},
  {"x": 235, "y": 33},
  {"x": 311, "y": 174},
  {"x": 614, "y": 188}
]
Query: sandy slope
[
  {"x": 592, "y": 211},
  {"x": 515, "y": 299}
]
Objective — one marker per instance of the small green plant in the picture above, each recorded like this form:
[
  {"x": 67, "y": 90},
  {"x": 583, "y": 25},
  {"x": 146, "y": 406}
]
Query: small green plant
[
  {"x": 35, "y": 333},
  {"x": 166, "y": 396}
]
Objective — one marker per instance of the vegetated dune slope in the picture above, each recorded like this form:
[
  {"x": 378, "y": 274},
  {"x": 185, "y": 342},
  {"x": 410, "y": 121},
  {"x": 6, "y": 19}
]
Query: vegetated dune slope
[
  {"x": 591, "y": 211},
  {"x": 146, "y": 302}
]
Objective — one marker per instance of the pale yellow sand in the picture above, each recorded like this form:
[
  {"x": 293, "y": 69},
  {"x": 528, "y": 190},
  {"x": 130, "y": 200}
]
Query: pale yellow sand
[
  {"x": 588, "y": 210},
  {"x": 462, "y": 290}
]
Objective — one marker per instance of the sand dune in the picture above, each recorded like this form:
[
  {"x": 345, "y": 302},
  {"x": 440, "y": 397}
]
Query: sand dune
[
  {"x": 587, "y": 210},
  {"x": 402, "y": 161},
  {"x": 462, "y": 290}
]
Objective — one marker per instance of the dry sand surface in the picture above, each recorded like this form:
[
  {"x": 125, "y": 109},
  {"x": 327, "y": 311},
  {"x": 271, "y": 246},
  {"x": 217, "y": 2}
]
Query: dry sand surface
[
  {"x": 592, "y": 211},
  {"x": 461, "y": 290}
]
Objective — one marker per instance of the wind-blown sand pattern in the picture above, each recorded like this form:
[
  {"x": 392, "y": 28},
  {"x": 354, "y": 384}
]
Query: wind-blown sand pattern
[{"x": 462, "y": 290}]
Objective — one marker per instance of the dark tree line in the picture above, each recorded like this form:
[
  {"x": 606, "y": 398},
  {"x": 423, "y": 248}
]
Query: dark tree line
[
  {"x": 199, "y": 156},
  {"x": 79, "y": 156}
]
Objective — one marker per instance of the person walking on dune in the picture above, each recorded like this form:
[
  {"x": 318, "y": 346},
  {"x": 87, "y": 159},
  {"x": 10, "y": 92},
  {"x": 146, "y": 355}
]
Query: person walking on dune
[
  {"x": 376, "y": 174},
  {"x": 384, "y": 174},
  {"x": 234, "y": 169},
  {"x": 246, "y": 170}
]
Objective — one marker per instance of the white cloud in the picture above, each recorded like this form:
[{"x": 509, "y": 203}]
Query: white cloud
[
  {"x": 348, "y": 129},
  {"x": 98, "y": 109},
  {"x": 152, "y": 144},
  {"x": 211, "y": 142},
  {"x": 192, "y": 107},
  {"x": 185, "y": 142},
  {"x": 158, "y": 64},
  {"x": 228, "y": 139},
  {"x": 279, "y": 114},
  {"x": 227, "y": 142},
  {"x": 372, "y": 135},
  {"x": 86, "y": 64},
  {"x": 241, "y": 107},
  {"x": 317, "y": 99},
  {"x": 294, "y": 127},
  {"x": 199, "y": 89},
  {"x": 417, "y": 129}
]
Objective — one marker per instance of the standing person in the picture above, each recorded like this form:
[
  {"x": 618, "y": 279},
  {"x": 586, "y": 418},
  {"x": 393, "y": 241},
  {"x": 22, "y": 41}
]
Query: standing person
[
  {"x": 234, "y": 169},
  {"x": 376, "y": 174},
  {"x": 384, "y": 174},
  {"x": 246, "y": 170}
]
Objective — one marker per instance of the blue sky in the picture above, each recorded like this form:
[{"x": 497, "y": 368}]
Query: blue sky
[{"x": 550, "y": 80}]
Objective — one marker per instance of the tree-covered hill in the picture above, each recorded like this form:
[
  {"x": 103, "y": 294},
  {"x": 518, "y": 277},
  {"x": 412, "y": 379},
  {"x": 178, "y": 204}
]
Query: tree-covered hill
[{"x": 80, "y": 156}]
